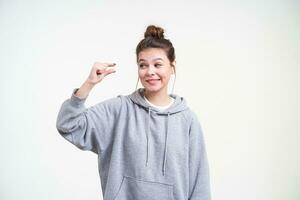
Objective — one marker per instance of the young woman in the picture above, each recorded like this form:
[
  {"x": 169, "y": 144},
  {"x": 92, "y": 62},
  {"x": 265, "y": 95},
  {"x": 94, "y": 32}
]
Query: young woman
[{"x": 149, "y": 143}]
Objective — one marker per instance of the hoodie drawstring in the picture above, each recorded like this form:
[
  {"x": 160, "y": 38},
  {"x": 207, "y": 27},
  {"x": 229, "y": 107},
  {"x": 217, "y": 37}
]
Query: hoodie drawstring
[
  {"x": 147, "y": 136},
  {"x": 166, "y": 141}
]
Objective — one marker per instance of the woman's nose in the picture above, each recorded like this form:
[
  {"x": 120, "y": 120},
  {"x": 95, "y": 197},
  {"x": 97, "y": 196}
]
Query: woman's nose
[{"x": 150, "y": 70}]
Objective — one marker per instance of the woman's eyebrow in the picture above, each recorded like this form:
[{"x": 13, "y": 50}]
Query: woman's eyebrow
[{"x": 140, "y": 60}]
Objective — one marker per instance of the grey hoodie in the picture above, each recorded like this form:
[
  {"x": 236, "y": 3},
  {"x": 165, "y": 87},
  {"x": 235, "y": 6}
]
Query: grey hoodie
[{"x": 143, "y": 153}]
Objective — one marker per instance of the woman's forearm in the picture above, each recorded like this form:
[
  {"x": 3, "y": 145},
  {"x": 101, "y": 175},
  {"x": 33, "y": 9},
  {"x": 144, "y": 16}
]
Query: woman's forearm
[{"x": 84, "y": 90}]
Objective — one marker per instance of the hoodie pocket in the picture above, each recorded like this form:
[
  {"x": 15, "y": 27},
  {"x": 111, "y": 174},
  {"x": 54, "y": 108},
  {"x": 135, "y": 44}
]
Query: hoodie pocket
[{"x": 135, "y": 189}]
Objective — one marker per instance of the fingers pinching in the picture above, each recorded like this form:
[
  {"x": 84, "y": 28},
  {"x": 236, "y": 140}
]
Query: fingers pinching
[
  {"x": 105, "y": 68},
  {"x": 102, "y": 68}
]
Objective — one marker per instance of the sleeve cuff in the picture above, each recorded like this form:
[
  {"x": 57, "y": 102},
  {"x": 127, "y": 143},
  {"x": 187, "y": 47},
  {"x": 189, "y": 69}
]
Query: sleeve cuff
[{"x": 76, "y": 100}]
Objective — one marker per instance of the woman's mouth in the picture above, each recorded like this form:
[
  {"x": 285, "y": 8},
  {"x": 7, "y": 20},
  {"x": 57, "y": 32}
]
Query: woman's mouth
[{"x": 152, "y": 81}]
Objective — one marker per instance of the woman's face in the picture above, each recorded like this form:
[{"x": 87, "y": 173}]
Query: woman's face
[{"x": 154, "y": 69}]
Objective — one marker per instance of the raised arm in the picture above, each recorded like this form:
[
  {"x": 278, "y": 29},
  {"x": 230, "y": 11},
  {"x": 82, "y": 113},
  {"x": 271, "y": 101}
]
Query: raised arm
[{"x": 88, "y": 128}]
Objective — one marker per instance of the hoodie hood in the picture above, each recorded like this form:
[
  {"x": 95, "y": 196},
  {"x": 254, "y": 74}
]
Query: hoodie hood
[{"x": 178, "y": 105}]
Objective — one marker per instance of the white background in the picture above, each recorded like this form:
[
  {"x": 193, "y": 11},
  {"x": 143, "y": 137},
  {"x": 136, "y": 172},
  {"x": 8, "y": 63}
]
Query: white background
[{"x": 237, "y": 66}]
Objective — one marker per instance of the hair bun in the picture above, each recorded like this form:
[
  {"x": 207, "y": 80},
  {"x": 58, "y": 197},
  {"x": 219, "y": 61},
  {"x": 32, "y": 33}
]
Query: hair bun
[{"x": 154, "y": 32}]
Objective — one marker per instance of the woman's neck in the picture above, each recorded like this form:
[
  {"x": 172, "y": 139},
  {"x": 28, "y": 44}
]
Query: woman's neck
[{"x": 160, "y": 98}]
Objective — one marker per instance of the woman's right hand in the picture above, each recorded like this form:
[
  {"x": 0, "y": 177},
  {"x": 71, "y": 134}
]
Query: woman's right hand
[{"x": 99, "y": 71}]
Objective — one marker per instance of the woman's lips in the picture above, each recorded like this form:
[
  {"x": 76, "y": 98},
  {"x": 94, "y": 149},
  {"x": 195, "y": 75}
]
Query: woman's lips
[{"x": 152, "y": 81}]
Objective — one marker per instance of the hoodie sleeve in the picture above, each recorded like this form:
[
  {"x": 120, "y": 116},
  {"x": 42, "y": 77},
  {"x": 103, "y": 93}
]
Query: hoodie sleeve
[
  {"x": 88, "y": 128},
  {"x": 199, "y": 179}
]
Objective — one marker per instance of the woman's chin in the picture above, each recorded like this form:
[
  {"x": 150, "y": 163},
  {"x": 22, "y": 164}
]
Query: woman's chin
[{"x": 153, "y": 88}]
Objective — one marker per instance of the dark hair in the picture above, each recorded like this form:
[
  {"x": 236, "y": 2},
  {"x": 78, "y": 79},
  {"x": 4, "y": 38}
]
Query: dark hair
[{"x": 154, "y": 38}]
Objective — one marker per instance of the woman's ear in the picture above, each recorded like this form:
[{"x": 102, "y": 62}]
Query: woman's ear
[{"x": 173, "y": 64}]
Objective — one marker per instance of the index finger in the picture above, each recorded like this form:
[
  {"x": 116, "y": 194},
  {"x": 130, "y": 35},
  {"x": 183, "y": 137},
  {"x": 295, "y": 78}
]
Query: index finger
[{"x": 109, "y": 64}]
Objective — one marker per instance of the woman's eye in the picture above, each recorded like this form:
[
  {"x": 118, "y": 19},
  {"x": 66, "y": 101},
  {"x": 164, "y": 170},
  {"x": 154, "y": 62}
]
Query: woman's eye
[
  {"x": 158, "y": 65},
  {"x": 142, "y": 65}
]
